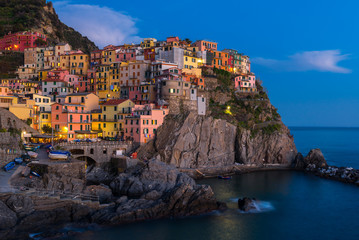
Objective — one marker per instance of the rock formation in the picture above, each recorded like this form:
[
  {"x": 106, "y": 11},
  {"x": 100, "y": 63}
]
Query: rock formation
[
  {"x": 195, "y": 141},
  {"x": 149, "y": 190},
  {"x": 247, "y": 204}
]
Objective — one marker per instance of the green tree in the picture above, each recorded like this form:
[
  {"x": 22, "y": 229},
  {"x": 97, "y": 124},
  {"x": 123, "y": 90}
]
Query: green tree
[{"x": 47, "y": 129}]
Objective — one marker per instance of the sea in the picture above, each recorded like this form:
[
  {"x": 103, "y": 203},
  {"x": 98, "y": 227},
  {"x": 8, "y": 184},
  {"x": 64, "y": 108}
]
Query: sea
[{"x": 291, "y": 205}]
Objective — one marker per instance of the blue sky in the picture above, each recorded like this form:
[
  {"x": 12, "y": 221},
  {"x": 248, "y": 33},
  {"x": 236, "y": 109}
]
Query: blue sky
[{"x": 305, "y": 52}]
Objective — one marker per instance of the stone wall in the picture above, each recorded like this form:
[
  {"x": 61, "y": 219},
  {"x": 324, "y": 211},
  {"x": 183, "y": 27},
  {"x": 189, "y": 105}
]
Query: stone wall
[
  {"x": 100, "y": 152},
  {"x": 9, "y": 120},
  {"x": 9, "y": 147}
]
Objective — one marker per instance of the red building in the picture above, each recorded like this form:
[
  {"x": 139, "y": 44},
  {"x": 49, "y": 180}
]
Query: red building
[{"x": 20, "y": 41}]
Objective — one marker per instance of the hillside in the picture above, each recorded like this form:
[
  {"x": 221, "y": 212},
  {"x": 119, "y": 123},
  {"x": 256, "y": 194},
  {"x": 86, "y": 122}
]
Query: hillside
[
  {"x": 37, "y": 15},
  {"x": 238, "y": 128}
]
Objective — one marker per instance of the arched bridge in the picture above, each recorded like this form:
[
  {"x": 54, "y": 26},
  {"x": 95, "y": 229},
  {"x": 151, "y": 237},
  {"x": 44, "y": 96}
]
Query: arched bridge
[{"x": 99, "y": 152}]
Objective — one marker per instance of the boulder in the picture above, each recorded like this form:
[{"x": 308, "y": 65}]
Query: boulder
[
  {"x": 22, "y": 205},
  {"x": 103, "y": 192},
  {"x": 247, "y": 204},
  {"x": 315, "y": 157},
  {"x": 299, "y": 162},
  {"x": 8, "y": 218}
]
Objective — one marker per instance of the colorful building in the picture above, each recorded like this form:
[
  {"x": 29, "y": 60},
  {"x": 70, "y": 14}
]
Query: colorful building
[
  {"x": 111, "y": 117},
  {"x": 205, "y": 45},
  {"x": 142, "y": 125},
  {"x": 245, "y": 83},
  {"x": 21, "y": 40}
]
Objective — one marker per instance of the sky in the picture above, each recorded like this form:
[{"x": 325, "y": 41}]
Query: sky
[{"x": 305, "y": 52}]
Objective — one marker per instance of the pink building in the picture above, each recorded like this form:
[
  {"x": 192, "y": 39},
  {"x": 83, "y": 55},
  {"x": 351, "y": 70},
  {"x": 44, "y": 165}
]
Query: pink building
[
  {"x": 134, "y": 93},
  {"x": 172, "y": 39},
  {"x": 72, "y": 80},
  {"x": 20, "y": 41},
  {"x": 58, "y": 74},
  {"x": 70, "y": 120},
  {"x": 143, "y": 124},
  {"x": 205, "y": 45},
  {"x": 245, "y": 83},
  {"x": 124, "y": 55}
]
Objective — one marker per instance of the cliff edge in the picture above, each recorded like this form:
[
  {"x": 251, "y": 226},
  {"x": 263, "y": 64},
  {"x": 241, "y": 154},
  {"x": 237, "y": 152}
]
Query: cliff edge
[{"x": 238, "y": 127}]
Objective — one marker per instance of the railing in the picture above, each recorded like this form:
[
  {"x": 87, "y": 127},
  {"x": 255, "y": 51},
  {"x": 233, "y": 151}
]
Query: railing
[
  {"x": 75, "y": 111},
  {"x": 101, "y": 143}
]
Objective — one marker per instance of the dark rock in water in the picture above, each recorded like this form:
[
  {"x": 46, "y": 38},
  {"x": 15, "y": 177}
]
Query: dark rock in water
[
  {"x": 8, "y": 218},
  {"x": 247, "y": 204},
  {"x": 315, "y": 157},
  {"x": 299, "y": 162}
]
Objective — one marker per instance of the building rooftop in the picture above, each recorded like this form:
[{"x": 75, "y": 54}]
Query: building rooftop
[{"x": 115, "y": 101}]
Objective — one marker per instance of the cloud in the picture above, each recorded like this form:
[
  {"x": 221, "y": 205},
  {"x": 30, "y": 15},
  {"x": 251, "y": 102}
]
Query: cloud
[
  {"x": 102, "y": 25},
  {"x": 323, "y": 61}
]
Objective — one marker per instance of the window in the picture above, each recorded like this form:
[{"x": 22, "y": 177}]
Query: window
[
  {"x": 104, "y": 125},
  {"x": 104, "y": 151},
  {"x": 69, "y": 99},
  {"x": 104, "y": 108},
  {"x": 91, "y": 151},
  {"x": 70, "y": 127}
]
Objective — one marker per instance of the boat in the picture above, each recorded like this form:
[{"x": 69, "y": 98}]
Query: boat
[
  {"x": 18, "y": 160},
  {"x": 32, "y": 154},
  {"x": 35, "y": 174},
  {"x": 31, "y": 147},
  {"x": 59, "y": 155},
  {"x": 9, "y": 166},
  {"x": 225, "y": 177}
]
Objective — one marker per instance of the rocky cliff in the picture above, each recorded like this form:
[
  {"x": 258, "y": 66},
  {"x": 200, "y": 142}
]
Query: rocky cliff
[{"x": 238, "y": 128}]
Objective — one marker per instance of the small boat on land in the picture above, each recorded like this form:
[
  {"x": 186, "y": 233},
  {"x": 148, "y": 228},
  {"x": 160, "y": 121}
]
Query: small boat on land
[
  {"x": 32, "y": 154},
  {"x": 59, "y": 155},
  {"x": 9, "y": 166},
  {"x": 18, "y": 160},
  {"x": 35, "y": 174},
  {"x": 31, "y": 147},
  {"x": 225, "y": 177}
]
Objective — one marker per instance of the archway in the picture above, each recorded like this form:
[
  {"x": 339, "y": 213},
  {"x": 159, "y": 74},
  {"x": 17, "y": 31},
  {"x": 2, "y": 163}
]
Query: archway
[{"x": 90, "y": 162}]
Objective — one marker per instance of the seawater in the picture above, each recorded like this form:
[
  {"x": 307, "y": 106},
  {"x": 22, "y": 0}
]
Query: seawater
[
  {"x": 293, "y": 205},
  {"x": 340, "y": 146}
]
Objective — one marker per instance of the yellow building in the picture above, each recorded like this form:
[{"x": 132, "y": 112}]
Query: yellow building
[
  {"x": 65, "y": 62},
  {"x": 111, "y": 117},
  {"x": 44, "y": 119},
  {"x": 103, "y": 83},
  {"x": 42, "y": 74},
  {"x": 114, "y": 81},
  {"x": 24, "y": 109},
  {"x": 79, "y": 63},
  {"x": 96, "y": 124},
  {"x": 42, "y": 111},
  {"x": 191, "y": 62},
  {"x": 26, "y": 72},
  {"x": 148, "y": 43},
  {"x": 7, "y": 101},
  {"x": 108, "y": 56}
]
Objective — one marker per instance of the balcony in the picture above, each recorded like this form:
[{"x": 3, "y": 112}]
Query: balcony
[{"x": 75, "y": 111}]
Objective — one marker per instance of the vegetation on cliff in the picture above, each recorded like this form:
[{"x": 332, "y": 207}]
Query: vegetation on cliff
[
  {"x": 9, "y": 63},
  {"x": 250, "y": 111},
  {"x": 37, "y": 15}
]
